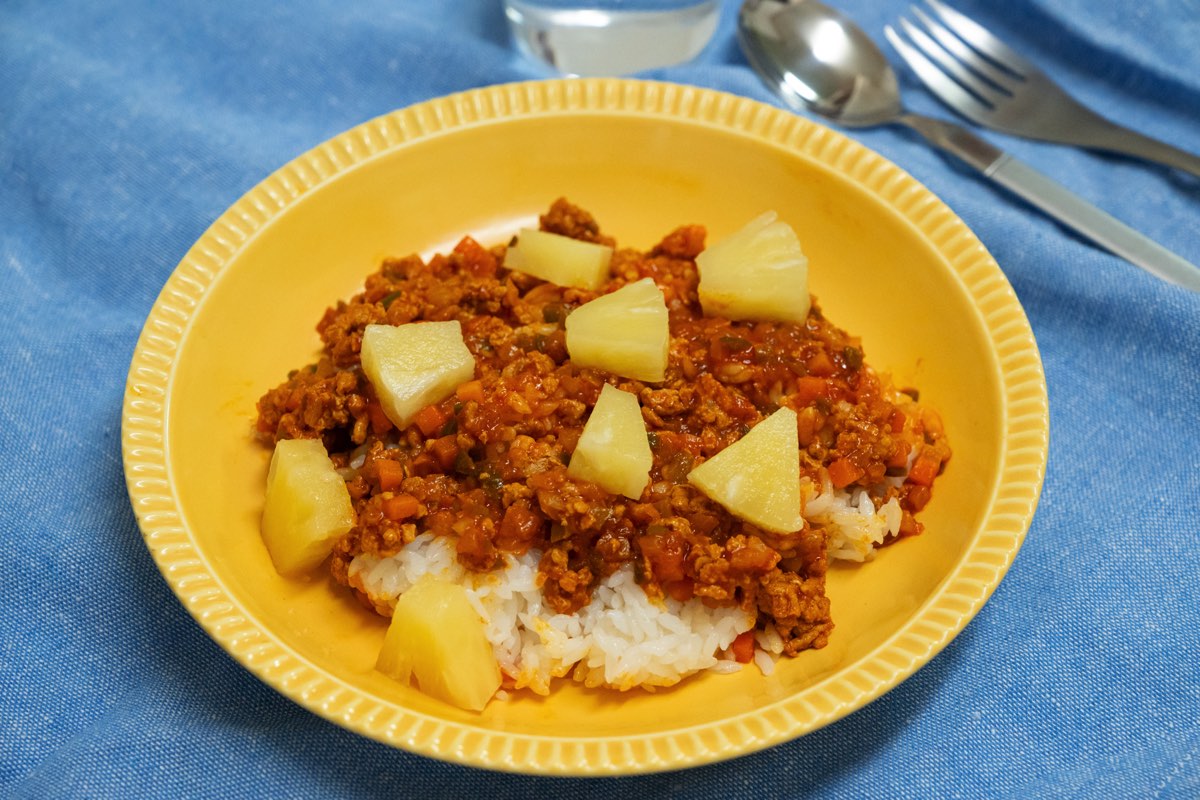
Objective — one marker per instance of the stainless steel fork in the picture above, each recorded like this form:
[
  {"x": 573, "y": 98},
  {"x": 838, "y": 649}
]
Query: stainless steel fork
[{"x": 981, "y": 78}]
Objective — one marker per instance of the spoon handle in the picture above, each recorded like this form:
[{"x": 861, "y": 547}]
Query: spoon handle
[{"x": 1056, "y": 201}]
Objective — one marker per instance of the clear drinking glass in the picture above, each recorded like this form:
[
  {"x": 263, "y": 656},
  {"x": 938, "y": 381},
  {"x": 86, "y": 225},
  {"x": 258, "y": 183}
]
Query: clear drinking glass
[{"x": 611, "y": 37}]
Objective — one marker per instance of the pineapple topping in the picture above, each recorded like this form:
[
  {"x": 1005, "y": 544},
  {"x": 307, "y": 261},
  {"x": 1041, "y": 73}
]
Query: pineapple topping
[
  {"x": 757, "y": 273},
  {"x": 414, "y": 365},
  {"x": 624, "y": 332},
  {"x": 613, "y": 450},
  {"x": 437, "y": 637},
  {"x": 757, "y": 477},
  {"x": 307, "y": 507},
  {"x": 560, "y": 259}
]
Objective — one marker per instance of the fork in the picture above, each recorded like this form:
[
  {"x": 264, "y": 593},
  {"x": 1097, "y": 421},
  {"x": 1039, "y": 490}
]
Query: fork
[{"x": 980, "y": 77}]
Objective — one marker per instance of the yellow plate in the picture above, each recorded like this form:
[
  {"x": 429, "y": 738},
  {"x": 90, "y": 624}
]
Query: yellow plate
[{"x": 888, "y": 261}]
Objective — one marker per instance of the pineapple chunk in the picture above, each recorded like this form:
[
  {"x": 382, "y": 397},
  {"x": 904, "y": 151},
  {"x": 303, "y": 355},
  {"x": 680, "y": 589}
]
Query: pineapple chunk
[
  {"x": 414, "y": 365},
  {"x": 560, "y": 259},
  {"x": 613, "y": 450},
  {"x": 757, "y": 273},
  {"x": 437, "y": 636},
  {"x": 307, "y": 507},
  {"x": 624, "y": 332},
  {"x": 757, "y": 478}
]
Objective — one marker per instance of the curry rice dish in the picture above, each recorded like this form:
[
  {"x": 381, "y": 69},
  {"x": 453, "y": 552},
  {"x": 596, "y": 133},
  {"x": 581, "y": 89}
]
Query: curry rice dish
[{"x": 567, "y": 577}]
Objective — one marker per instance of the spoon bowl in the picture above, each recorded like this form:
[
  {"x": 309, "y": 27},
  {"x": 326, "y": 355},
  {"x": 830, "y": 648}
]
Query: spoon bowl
[{"x": 817, "y": 59}]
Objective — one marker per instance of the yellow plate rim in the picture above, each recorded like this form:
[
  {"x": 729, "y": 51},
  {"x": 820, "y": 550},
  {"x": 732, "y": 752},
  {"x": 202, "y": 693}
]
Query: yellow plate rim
[{"x": 964, "y": 591}]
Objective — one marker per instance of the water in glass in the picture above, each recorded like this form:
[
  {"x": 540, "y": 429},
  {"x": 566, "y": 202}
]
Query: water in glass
[{"x": 611, "y": 37}]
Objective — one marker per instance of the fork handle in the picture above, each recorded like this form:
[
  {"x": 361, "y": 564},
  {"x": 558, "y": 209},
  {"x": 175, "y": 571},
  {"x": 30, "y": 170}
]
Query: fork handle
[
  {"x": 1095, "y": 132},
  {"x": 1056, "y": 201}
]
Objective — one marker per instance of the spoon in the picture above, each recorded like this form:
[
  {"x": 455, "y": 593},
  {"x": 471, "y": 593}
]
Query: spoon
[{"x": 816, "y": 59}]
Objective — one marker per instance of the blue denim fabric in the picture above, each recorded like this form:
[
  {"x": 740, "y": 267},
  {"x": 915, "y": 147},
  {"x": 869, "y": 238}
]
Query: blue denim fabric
[{"x": 126, "y": 129}]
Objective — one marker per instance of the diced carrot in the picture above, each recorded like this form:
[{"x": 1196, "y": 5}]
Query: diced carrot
[
  {"x": 843, "y": 472},
  {"x": 899, "y": 455},
  {"x": 809, "y": 388},
  {"x": 391, "y": 474},
  {"x": 445, "y": 450},
  {"x": 743, "y": 647},
  {"x": 917, "y": 496},
  {"x": 380, "y": 423},
  {"x": 400, "y": 506},
  {"x": 820, "y": 364},
  {"x": 519, "y": 527},
  {"x": 682, "y": 591},
  {"x": 665, "y": 553},
  {"x": 896, "y": 421},
  {"x": 475, "y": 258},
  {"x": 924, "y": 470},
  {"x": 431, "y": 420},
  {"x": 471, "y": 390},
  {"x": 423, "y": 464}
]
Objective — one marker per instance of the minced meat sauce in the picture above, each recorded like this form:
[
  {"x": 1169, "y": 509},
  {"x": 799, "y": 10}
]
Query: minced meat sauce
[{"x": 488, "y": 465}]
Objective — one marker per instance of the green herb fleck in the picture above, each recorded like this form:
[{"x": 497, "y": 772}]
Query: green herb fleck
[
  {"x": 463, "y": 465},
  {"x": 735, "y": 344},
  {"x": 639, "y": 571},
  {"x": 492, "y": 485}
]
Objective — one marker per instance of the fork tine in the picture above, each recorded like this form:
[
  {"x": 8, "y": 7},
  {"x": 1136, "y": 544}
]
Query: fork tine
[
  {"x": 982, "y": 39},
  {"x": 977, "y": 64},
  {"x": 968, "y": 79},
  {"x": 937, "y": 81}
]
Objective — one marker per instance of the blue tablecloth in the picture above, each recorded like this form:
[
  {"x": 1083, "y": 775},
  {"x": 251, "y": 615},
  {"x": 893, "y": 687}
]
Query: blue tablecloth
[{"x": 127, "y": 128}]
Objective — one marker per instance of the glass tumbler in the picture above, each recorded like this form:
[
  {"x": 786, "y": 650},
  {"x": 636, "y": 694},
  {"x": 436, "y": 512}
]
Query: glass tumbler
[{"x": 611, "y": 37}]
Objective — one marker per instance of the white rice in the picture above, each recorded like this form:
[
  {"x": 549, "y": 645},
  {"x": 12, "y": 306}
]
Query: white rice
[
  {"x": 622, "y": 638},
  {"x": 855, "y": 528}
]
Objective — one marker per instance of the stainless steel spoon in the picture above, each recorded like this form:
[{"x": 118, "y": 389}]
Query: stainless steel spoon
[{"x": 818, "y": 60}]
